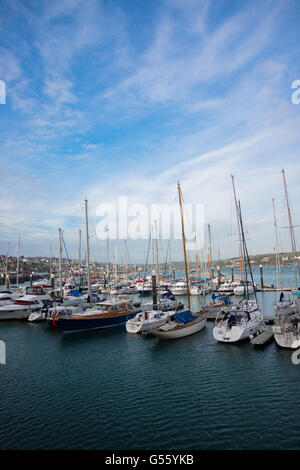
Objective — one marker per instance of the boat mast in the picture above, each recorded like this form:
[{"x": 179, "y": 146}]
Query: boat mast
[
  {"x": 184, "y": 248},
  {"x": 60, "y": 262},
  {"x": 246, "y": 255},
  {"x": 50, "y": 262},
  {"x": 88, "y": 251},
  {"x": 276, "y": 248},
  {"x": 157, "y": 258},
  {"x": 126, "y": 261},
  {"x": 18, "y": 261},
  {"x": 291, "y": 227},
  {"x": 238, "y": 222},
  {"x": 209, "y": 250},
  {"x": 79, "y": 256},
  {"x": 107, "y": 252}
]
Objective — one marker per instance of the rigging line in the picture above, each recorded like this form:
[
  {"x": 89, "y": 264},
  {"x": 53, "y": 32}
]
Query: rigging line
[
  {"x": 146, "y": 265},
  {"x": 70, "y": 265},
  {"x": 166, "y": 262},
  {"x": 246, "y": 252}
]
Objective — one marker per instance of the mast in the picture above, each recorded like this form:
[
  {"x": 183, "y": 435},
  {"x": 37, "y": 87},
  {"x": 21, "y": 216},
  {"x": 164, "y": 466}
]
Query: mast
[
  {"x": 209, "y": 250},
  {"x": 197, "y": 259},
  {"x": 7, "y": 281},
  {"x": 291, "y": 227},
  {"x": 238, "y": 223},
  {"x": 107, "y": 252},
  {"x": 126, "y": 261},
  {"x": 79, "y": 252},
  {"x": 208, "y": 262},
  {"x": 88, "y": 251},
  {"x": 18, "y": 261},
  {"x": 246, "y": 255},
  {"x": 60, "y": 262},
  {"x": 50, "y": 262},
  {"x": 157, "y": 257},
  {"x": 184, "y": 248},
  {"x": 276, "y": 247}
]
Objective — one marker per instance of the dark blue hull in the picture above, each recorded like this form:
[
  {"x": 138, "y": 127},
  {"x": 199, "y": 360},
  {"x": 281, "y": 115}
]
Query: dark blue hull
[{"x": 70, "y": 325}]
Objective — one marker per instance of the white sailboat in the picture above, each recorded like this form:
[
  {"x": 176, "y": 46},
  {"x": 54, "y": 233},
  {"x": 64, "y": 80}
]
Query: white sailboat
[
  {"x": 147, "y": 321},
  {"x": 185, "y": 323},
  {"x": 244, "y": 320}
]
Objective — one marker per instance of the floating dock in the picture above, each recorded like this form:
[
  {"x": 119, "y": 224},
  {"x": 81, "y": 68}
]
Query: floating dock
[{"x": 265, "y": 337}]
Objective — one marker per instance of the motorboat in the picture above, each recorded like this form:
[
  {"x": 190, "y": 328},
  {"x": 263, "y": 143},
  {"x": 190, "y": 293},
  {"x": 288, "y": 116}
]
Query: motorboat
[
  {"x": 104, "y": 314},
  {"x": 8, "y": 296},
  {"x": 34, "y": 299},
  {"x": 147, "y": 321},
  {"x": 179, "y": 288},
  {"x": 244, "y": 286}
]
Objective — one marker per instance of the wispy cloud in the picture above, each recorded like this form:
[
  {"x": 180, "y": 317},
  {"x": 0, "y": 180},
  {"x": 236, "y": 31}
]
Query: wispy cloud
[{"x": 103, "y": 100}]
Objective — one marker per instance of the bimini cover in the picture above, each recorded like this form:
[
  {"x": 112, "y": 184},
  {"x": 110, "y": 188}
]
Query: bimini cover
[
  {"x": 184, "y": 317},
  {"x": 167, "y": 295},
  {"x": 75, "y": 293}
]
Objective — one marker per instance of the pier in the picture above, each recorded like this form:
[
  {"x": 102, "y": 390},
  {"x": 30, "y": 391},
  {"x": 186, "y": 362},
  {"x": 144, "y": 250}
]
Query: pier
[{"x": 264, "y": 338}]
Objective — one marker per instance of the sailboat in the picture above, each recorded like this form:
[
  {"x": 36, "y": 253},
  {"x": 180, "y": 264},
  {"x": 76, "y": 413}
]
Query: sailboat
[
  {"x": 243, "y": 320},
  {"x": 102, "y": 314},
  {"x": 154, "y": 314},
  {"x": 185, "y": 323},
  {"x": 287, "y": 325}
]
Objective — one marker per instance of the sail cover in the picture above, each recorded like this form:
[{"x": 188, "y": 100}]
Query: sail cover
[{"x": 184, "y": 317}]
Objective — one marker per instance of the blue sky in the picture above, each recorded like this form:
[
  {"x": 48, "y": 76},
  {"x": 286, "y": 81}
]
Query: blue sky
[{"x": 125, "y": 97}]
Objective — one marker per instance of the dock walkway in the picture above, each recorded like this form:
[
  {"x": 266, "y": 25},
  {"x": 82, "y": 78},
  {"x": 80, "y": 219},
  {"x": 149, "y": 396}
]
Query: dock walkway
[{"x": 264, "y": 338}]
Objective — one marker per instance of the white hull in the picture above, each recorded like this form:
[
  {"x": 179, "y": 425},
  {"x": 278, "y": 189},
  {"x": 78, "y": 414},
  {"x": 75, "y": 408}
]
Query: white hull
[
  {"x": 179, "y": 291},
  {"x": 14, "y": 314},
  {"x": 237, "y": 333},
  {"x": 146, "y": 322},
  {"x": 286, "y": 339},
  {"x": 180, "y": 331},
  {"x": 194, "y": 291},
  {"x": 144, "y": 327},
  {"x": 241, "y": 291}
]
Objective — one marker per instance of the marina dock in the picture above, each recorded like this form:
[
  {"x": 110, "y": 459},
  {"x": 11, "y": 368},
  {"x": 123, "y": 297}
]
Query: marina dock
[{"x": 264, "y": 338}]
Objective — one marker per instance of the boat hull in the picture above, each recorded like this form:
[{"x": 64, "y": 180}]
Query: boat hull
[
  {"x": 237, "y": 333},
  {"x": 70, "y": 325},
  {"x": 289, "y": 340},
  {"x": 19, "y": 314},
  {"x": 182, "y": 331}
]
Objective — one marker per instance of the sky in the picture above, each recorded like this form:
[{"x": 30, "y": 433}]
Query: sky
[{"x": 109, "y": 98}]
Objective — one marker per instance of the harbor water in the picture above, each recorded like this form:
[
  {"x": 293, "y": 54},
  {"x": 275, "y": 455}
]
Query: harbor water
[{"x": 108, "y": 389}]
